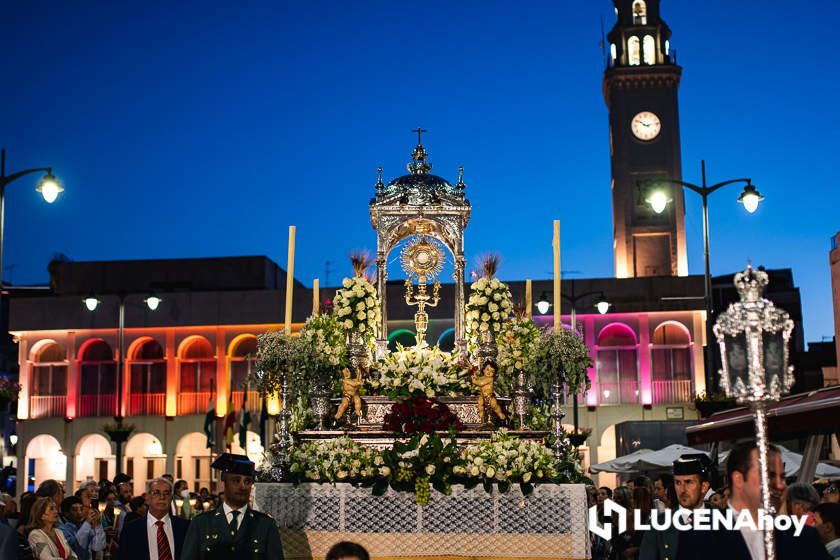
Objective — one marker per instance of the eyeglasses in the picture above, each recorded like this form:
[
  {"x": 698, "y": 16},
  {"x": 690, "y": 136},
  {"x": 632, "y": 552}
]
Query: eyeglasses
[{"x": 159, "y": 494}]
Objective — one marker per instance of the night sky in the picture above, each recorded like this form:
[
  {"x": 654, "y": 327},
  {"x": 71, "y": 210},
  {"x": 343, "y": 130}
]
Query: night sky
[{"x": 197, "y": 129}]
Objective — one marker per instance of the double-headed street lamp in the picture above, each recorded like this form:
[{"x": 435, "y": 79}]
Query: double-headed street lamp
[
  {"x": 48, "y": 186},
  {"x": 91, "y": 302},
  {"x": 602, "y": 305},
  {"x": 658, "y": 199}
]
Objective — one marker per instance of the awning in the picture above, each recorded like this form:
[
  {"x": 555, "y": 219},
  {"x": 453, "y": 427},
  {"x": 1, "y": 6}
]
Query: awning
[{"x": 800, "y": 415}]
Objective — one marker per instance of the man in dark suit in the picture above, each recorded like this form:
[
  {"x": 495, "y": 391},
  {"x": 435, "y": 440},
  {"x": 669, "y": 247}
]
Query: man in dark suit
[
  {"x": 692, "y": 473},
  {"x": 744, "y": 477},
  {"x": 233, "y": 530},
  {"x": 157, "y": 535}
]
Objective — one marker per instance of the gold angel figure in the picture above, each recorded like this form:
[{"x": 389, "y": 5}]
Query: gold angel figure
[{"x": 486, "y": 398}]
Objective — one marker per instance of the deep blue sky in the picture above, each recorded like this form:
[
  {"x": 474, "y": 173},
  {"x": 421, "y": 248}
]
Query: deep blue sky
[{"x": 185, "y": 129}]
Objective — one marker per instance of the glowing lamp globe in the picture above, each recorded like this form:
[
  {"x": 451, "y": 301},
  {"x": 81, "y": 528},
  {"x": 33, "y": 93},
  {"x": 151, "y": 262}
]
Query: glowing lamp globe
[
  {"x": 49, "y": 187},
  {"x": 750, "y": 198}
]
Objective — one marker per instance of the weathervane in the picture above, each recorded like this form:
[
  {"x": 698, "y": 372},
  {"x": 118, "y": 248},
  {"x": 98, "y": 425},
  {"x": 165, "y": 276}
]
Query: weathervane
[{"x": 423, "y": 258}]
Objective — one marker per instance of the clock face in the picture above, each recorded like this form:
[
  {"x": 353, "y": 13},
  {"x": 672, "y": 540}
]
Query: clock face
[{"x": 645, "y": 126}]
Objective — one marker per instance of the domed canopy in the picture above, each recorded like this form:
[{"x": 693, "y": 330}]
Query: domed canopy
[{"x": 419, "y": 187}]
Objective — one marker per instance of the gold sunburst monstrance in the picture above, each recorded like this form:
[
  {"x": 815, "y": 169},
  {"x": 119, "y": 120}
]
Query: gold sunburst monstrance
[{"x": 422, "y": 258}]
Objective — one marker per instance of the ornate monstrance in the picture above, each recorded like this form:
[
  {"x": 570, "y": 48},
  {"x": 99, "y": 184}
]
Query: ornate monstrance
[
  {"x": 435, "y": 214},
  {"x": 422, "y": 258}
]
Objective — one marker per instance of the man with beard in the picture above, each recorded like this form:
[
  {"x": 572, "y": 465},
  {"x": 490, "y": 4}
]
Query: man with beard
[
  {"x": 233, "y": 530},
  {"x": 692, "y": 473}
]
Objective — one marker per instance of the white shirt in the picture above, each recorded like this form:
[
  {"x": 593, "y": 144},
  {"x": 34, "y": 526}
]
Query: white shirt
[
  {"x": 753, "y": 539},
  {"x": 229, "y": 515},
  {"x": 831, "y": 546},
  {"x": 151, "y": 531}
]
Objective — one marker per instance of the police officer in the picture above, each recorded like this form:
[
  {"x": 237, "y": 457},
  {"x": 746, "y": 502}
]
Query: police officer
[
  {"x": 233, "y": 530},
  {"x": 692, "y": 473}
]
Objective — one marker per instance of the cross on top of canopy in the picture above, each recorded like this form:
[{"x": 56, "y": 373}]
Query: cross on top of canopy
[{"x": 420, "y": 203}]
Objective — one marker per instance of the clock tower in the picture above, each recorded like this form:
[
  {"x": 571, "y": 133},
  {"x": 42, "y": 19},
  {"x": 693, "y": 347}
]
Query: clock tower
[{"x": 640, "y": 88}]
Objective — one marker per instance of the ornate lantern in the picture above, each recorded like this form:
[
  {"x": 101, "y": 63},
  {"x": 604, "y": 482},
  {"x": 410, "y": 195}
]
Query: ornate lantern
[{"x": 753, "y": 336}]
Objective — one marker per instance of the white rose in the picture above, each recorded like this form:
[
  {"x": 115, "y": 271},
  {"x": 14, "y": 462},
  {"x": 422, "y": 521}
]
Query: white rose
[
  {"x": 485, "y": 317},
  {"x": 361, "y": 315},
  {"x": 341, "y": 475},
  {"x": 490, "y": 472},
  {"x": 430, "y": 470},
  {"x": 474, "y": 471},
  {"x": 348, "y": 324},
  {"x": 493, "y": 307},
  {"x": 384, "y": 471},
  {"x": 346, "y": 282},
  {"x": 360, "y": 306},
  {"x": 526, "y": 477},
  {"x": 479, "y": 461}
]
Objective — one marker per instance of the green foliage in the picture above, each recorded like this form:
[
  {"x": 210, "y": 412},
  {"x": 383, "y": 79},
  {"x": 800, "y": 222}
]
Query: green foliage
[{"x": 560, "y": 354}]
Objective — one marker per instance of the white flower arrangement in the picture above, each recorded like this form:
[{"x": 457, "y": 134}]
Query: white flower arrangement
[
  {"x": 420, "y": 370},
  {"x": 487, "y": 309},
  {"x": 356, "y": 306},
  {"x": 506, "y": 459},
  {"x": 517, "y": 343},
  {"x": 322, "y": 341},
  {"x": 335, "y": 460}
]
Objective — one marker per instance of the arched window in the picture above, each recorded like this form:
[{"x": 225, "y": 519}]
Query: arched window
[
  {"x": 616, "y": 365},
  {"x": 148, "y": 379},
  {"x": 49, "y": 382},
  {"x": 198, "y": 371},
  {"x": 446, "y": 340},
  {"x": 98, "y": 379},
  {"x": 402, "y": 336},
  {"x": 671, "y": 361},
  {"x": 243, "y": 355},
  {"x": 649, "y": 49},
  {"x": 613, "y": 52},
  {"x": 633, "y": 50},
  {"x": 639, "y": 12}
]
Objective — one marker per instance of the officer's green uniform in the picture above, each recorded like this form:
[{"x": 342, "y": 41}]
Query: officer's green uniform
[
  {"x": 662, "y": 545},
  {"x": 210, "y": 536},
  {"x": 659, "y": 545}
]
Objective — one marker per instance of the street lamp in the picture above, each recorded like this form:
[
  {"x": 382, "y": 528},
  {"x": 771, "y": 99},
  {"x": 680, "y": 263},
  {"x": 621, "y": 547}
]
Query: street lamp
[
  {"x": 602, "y": 306},
  {"x": 92, "y": 302},
  {"x": 750, "y": 197},
  {"x": 48, "y": 186}
]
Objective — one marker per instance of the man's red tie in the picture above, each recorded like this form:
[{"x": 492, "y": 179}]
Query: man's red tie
[{"x": 162, "y": 543}]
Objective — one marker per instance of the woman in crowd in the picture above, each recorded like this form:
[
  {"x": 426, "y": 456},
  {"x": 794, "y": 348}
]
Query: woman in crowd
[{"x": 47, "y": 543}]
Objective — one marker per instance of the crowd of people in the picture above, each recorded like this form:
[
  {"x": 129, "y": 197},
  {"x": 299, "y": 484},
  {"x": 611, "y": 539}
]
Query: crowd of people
[
  {"x": 104, "y": 520},
  {"x": 690, "y": 487}
]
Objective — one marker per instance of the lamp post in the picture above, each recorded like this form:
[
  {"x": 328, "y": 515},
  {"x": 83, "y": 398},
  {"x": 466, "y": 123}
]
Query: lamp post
[
  {"x": 753, "y": 336},
  {"x": 658, "y": 199},
  {"x": 48, "y": 186},
  {"x": 91, "y": 302},
  {"x": 601, "y": 305}
]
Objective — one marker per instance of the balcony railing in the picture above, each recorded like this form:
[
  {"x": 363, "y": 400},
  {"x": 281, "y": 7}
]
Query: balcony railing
[
  {"x": 623, "y": 392},
  {"x": 47, "y": 406},
  {"x": 254, "y": 402},
  {"x": 97, "y": 405},
  {"x": 193, "y": 403},
  {"x": 672, "y": 391},
  {"x": 148, "y": 404}
]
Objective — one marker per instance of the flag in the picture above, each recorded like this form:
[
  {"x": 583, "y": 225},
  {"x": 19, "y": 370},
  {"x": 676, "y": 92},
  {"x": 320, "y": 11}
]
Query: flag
[
  {"x": 263, "y": 420},
  {"x": 208, "y": 422},
  {"x": 244, "y": 422},
  {"x": 230, "y": 423}
]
